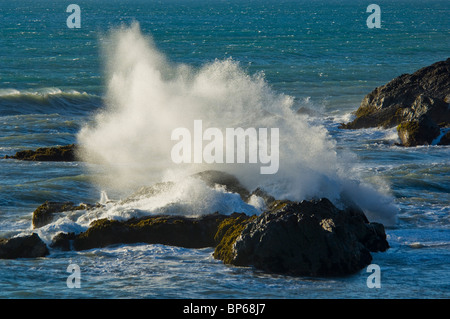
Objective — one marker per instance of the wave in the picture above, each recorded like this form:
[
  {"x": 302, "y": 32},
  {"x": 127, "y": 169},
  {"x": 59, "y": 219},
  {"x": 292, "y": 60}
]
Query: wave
[
  {"x": 418, "y": 245},
  {"x": 148, "y": 97},
  {"x": 46, "y": 100}
]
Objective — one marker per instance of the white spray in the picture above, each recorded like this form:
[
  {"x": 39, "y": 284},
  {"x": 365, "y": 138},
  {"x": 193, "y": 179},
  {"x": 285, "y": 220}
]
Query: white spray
[{"x": 148, "y": 97}]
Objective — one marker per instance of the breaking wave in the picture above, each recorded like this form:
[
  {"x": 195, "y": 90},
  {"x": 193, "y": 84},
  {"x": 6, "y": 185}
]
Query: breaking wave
[{"x": 147, "y": 97}]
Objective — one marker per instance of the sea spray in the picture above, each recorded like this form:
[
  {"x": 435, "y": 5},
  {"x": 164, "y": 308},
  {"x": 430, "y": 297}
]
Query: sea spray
[{"x": 147, "y": 97}]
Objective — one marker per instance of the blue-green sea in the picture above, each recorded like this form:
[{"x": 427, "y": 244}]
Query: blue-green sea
[{"x": 320, "y": 56}]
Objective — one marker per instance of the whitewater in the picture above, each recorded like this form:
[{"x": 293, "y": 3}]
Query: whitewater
[{"x": 148, "y": 97}]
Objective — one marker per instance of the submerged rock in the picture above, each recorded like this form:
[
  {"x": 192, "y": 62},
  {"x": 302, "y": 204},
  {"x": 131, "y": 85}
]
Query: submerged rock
[
  {"x": 30, "y": 246},
  {"x": 408, "y": 100},
  {"x": 311, "y": 238},
  {"x": 66, "y": 153}
]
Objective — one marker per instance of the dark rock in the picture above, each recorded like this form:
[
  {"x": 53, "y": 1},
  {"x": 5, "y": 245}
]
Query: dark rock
[
  {"x": 367, "y": 118},
  {"x": 436, "y": 110},
  {"x": 312, "y": 238},
  {"x": 30, "y": 246},
  {"x": 66, "y": 153},
  {"x": 418, "y": 132},
  {"x": 178, "y": 231},
  {"x": 408, "y": 98},
  {"x": 445, "y": 139},
  {"x": 227, "y": 233},
  {"x": 44, "y": 214},
  {"x": 63, "y": 241}
]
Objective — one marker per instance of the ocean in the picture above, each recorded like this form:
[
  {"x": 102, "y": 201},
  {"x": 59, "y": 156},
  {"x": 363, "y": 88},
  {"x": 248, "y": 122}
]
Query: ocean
[{"x": 135, "y": 70}]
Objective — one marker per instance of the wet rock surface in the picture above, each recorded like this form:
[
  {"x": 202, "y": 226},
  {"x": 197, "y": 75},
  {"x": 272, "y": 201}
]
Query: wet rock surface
[
  {"x": 419, "y": 100},
  {"x": 44, "y": 214},
  {"x": 65, "y": 153},
  {"x": 311, "y": 238},
  {"x": 178, "y": 231},
  {"x": 30, "y": 246}
]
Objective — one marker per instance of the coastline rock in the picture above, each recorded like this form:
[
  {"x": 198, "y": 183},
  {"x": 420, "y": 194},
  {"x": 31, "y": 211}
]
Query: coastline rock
[
  {"x": 44, "y": 214},
  {"x": 227, "y": 233},
  {"x": 66, "y": 153},
  {"x": 311, "y": 238},
  {"x": 63, "y": 241},
  {"x": 181, "y": 231},
  {"x": 408, "y": 99},
  {"x": 445, "y": 139},
  {"x": 30, "y": 246},
  {"x": 418, "y": 132}
]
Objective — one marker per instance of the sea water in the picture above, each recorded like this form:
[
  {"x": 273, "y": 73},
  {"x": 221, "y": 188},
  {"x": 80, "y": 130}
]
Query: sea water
[{"x": 222, "y": 62}]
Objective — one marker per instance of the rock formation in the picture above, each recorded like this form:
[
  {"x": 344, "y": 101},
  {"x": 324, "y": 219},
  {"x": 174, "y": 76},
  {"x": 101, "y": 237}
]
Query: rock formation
[
  {"x": 418, "y": 104},
  {"x": 66, "y": 153},
  {"x": 43, "y": 215},
  {"x": 23, "y": 247},
  {"x": 311, "y": 238}
]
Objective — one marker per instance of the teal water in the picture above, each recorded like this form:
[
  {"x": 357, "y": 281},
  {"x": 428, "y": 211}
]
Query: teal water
[{"x": 321, "y": 53}]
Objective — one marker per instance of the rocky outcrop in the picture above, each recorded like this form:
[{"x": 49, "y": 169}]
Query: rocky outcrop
[
  {"x": 418, "y": 101},
  {"x": 44, "y": 214},
  {"x": 30, "y": 246},
  {"x": 420, "y": 131},
  {"x": 445, "y": 139},
  {"x": 66, "y": 153},
  {"x": 181, "y": 231},
  {"x": 311, "y": 238}
]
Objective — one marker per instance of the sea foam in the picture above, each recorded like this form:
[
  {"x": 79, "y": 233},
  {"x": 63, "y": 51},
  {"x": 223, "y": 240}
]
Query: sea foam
[{"x": 147, "y": 97}]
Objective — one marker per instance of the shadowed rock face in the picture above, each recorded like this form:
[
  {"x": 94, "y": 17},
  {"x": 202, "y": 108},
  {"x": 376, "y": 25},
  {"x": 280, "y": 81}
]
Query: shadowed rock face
[
  {"x": 420, "y": 98},
  {"x": 311, "y": 238}
]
